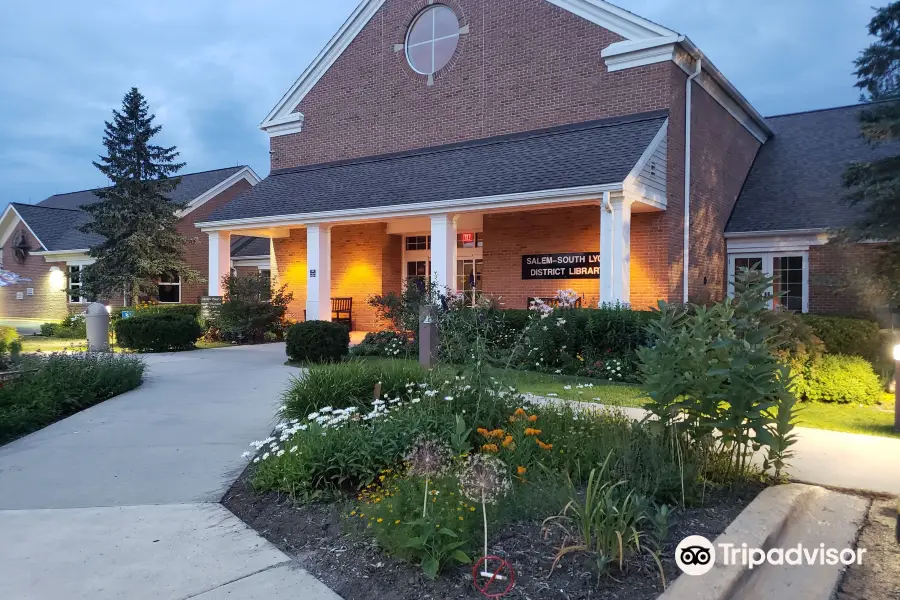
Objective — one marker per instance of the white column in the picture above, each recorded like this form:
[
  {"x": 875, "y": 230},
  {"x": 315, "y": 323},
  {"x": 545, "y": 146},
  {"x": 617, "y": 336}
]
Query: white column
[
  {"x": 443, "y": 252},
  {"x": 615, "y": 250},
  {"x": 606, "y": 251},
  {"x": 318, "y": 275},
  {"x": 219, "y": 260},
  {"x": 621, "y": 223}
]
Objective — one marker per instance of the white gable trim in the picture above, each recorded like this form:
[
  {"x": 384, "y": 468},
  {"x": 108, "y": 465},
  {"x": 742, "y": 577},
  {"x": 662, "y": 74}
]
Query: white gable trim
[
  {"x": 274, "y": 121},
  {"x": 246, "y": 174},
  {"x": 633, "y": 183},
  {"x": 682, "y": 51},
  {"x": 282, "y": 120},
  {"x": 9, "y": 225}
]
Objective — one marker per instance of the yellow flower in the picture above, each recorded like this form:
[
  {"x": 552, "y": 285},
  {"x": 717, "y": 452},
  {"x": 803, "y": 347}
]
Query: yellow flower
[
  {"x": 471, "y": 509},
  {"x": 353, "y": 513},
  {"x": 461, "y": 519},
  {"x": 397, "y": 522},
  {"x": 380, "y": 520},
  {"x": 521, "y": 470}
]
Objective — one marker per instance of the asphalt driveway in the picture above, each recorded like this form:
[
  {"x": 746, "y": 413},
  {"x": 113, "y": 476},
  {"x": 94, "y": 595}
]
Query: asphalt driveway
[{"x": 121, "y": 500}]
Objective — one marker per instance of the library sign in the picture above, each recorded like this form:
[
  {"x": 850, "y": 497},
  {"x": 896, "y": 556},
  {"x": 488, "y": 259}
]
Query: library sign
[{"x": 568, "y": 265}]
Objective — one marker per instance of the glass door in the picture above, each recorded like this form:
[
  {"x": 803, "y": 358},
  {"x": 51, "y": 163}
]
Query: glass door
[{"x": 468, "y": 277}]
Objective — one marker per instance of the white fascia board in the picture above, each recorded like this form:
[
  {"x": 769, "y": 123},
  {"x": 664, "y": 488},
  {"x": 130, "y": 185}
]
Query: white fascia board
[
  {"x": 246, "y": 174},
  {"x": 648, "y": 152},
  {"x": 319, "y": 66},
  {"x": 72, "y": 257},
  {"x": 637, "y": 53},
  {"x": 611, "y": 17},
  {"x": 260, "y": 262},
  {"x": 6, "y": 234},
  {"x": 789, "y": 241},
  {"x": 8, "y": 223},
  {"x": 521, "y": 200},
  {"x": 638, "y": 192}
]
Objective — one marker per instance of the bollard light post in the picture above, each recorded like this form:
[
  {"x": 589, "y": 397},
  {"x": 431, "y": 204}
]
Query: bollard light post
[{"x": 97, "y": 321}]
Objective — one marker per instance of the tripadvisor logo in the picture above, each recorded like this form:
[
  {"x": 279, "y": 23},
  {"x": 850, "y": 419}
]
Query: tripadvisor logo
[{"x": 696, "y": 555}]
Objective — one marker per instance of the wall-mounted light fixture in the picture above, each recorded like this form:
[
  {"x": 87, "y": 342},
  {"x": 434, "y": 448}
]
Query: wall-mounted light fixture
[{"x": 57, "y": 278}]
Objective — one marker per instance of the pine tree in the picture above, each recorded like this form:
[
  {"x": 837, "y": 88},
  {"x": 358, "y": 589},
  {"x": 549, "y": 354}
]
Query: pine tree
[
  {"x": 136, "y": 220},
  {"x": 875, "y": 186}
]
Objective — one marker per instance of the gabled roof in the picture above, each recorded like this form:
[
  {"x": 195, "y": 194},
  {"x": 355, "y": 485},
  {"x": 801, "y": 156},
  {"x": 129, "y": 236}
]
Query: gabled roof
[
  {"x": 191, "y": 186},
  {"x": 57, "y": 228},
  {"x": 282, "y": 118},
  {"x": 568, "y": 157},
  {"x": 796, "y": 182}
]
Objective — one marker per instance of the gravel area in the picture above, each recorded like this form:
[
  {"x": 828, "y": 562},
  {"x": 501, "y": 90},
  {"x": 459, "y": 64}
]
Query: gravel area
[
  {"x": 357, "y": 569},
  {"x": 878, "y": 577}
]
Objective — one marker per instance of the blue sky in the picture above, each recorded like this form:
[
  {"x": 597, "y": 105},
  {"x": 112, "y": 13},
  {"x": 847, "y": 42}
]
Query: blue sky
[{"x": 212, "y": 70}]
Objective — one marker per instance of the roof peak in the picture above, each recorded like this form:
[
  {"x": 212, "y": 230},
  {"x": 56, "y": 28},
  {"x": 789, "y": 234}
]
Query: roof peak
[
  {"x": 97, "y": 189},
  {"x": 831, "y": 108}
]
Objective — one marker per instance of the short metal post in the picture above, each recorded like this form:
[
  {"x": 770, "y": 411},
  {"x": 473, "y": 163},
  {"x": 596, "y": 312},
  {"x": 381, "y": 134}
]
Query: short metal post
[
  {"x": 429, "y": 341},
  {"x": 97, "y": 325}
]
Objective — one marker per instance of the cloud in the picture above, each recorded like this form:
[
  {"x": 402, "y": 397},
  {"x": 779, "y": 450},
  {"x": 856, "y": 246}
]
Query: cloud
[{"x": 212, "y": 70}]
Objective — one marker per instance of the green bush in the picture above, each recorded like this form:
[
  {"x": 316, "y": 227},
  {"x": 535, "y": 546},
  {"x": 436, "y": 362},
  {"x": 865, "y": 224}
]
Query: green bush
[
  {"x": 386, "y": 344},
  {"x": 340, "y": 385},
  {"x": 251, "y": 312},
  {"x": 158, "y": 332},
  {"x": 56, "y": 386},
  {"x": 318, "y": 341},
  {"x": 192, "y": 310},
  {"x": 49, "y": 329},
  {"x": 850, "y": 336},
  {"x": 8, "y": 334},
  {"x": 838, "y": 378},
  {"x": 72, "y": 327}
]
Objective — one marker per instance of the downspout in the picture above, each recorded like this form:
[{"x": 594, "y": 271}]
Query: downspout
[{"x": 687, "y": 173}]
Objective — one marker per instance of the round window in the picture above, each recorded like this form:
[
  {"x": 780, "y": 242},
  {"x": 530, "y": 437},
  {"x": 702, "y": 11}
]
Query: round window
[{"x": 432, "y": 39}]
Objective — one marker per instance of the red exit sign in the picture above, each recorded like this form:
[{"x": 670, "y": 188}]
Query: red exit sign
[{"x": 467, "y": 238}]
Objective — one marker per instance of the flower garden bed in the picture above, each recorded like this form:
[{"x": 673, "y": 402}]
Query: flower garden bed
[{"x": 316, "y": 536}]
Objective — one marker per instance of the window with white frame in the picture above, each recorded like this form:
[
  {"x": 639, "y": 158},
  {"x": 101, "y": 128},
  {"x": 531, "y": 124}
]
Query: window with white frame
[
  {"x": 170, "y": 289},
  {"x": 76, "y": 278},
  {"x": 789, "y": 271}
]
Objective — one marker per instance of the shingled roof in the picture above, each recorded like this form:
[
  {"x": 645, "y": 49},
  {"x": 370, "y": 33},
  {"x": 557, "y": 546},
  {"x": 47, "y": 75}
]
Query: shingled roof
[
  {"x": 592, "y": 153},
  {"x": 191, "y": 186},
  {"x": 797, "y": 179},
  {"x": 57, "y": 228}
]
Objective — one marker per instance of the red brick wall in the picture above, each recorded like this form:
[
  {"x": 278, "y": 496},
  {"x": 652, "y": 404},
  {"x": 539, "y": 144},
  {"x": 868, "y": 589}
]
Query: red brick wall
[
  {"x": 836, "y": 275},
  {"x": 722, "y": 152},
  {"x": 526, "y": 64},
  {"x": 196, "y": 247},
  {"x": 48, "y": 302},
  {"x": 365, "y": 260}
]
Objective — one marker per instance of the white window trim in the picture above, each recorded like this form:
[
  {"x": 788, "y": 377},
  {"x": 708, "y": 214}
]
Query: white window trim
[
  {"x": 160, "y": 283},
  {"x": 768, "y": 270},
  {"x": 433, "y": 40},
  {"x": 79, "y": 286}
]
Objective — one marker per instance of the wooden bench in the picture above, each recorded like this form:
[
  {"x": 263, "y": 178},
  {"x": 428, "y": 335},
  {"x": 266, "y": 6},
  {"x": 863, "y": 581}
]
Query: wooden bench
[
  {"x": 342, "y": 311},
  {"x": 552, "y": 301}
]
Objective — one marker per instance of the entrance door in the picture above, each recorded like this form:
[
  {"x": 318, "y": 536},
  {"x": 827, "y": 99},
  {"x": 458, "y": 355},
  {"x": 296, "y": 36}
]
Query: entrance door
[{"x": 468, "y": 277}]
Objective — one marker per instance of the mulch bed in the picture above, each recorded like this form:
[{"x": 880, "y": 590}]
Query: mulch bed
[
  {"x": 356, "y": 569},
  {"x": 878, "y": 577}
]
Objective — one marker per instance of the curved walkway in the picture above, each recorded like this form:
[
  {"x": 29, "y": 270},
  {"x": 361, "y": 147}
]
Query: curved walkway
[{"x": 120, "y": 501}]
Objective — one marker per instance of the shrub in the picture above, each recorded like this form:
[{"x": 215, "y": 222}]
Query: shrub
[
  {"x": 49, "y": 329},
  {"x": 318, "y": 341},
  {"x": 72, "y": 327},
  {"x": 55, "y": 386},
  {"x": 8, "y": 334},
  {"x": 251, "y": 309},
  {"x": 850, "y": 336},
  {"x": 158, "y": 332},
  {"x": 342, "y": 385},
  {"x": 838, "y": 378},
  {"x": 386, "y": 344}
]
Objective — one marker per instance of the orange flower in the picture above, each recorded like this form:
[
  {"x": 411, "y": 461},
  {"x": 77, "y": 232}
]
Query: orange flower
[
  {"x": 532, "y": 418},
  {"x": 520, "y": 412},
  {"x": 534, "y": 432},
  {"x": 507, "y": 441},
  {"x": 483, "y": 432},
  {"x": 498, "y": 433},
  {"x": 543, "y": 446},
  {"x": 492, "y": 448},
  {"x": 521, "y": 470}
]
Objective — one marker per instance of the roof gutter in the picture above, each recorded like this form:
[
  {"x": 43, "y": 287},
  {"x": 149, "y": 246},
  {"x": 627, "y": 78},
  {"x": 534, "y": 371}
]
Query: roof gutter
[
  {"x": 771, "y": 232},
  {"x": 688, "y": 113}
]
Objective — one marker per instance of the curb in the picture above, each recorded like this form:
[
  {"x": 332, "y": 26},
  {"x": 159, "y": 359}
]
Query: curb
[{"x": 759, "y": 525}]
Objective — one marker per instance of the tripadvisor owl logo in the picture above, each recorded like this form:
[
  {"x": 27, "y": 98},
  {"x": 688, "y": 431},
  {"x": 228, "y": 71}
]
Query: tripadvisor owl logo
[{"x": 695, "y": 555}]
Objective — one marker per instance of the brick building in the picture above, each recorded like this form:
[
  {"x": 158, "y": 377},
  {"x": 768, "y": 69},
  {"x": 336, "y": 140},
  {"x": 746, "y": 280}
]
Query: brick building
[
  {"x": 518, "y": 147},
  {"x": 43, "y": 242}
]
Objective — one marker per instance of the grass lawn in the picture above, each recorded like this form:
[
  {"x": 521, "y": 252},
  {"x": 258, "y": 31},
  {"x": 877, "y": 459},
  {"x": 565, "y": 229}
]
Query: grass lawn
[
  {"x": 877, "y": 419},
  {"x": 36, "y": 343}
]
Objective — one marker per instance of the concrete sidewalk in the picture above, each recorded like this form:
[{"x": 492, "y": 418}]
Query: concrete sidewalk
[{"x": 120, "y": 501}]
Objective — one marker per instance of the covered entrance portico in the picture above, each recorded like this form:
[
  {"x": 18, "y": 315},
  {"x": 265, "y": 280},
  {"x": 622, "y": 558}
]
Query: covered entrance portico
[{"x": 513, "y": 218}]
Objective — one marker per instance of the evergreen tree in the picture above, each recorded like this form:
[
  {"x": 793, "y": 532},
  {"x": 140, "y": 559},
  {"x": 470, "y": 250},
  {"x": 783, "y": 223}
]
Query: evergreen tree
[
  {"x": 134, "y": 216},
  {"x": 875, "y": 186}
]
